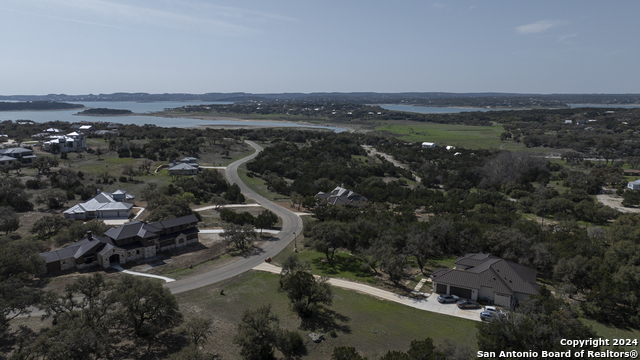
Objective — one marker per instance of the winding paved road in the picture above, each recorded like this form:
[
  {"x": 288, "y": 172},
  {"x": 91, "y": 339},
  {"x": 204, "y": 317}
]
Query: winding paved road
[{"x": 291, "y": 223}]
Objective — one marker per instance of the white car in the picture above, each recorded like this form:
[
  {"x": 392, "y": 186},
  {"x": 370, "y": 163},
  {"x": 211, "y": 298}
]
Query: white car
[{"x": 494, "y": 310}]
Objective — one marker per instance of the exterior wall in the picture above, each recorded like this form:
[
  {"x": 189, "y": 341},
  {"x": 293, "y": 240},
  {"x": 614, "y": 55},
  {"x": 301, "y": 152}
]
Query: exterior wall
[
  {"x": 85, "y": 265},
  {"x": 520, "y": 296},
  {"x": 486, "y": 293},
  {"x": 104, "y": 259},
  {"x": 67, "y": 264},
  {"x": 502, "y": 300},
  {"x": 149, "y": 251},
  {"x": 80, "y": 216},
  {"x": 135, "y": 254}
]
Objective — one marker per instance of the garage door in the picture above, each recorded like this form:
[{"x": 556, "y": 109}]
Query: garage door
[
  {"x": 441, "y": 289},
  {"x": 463, "y": 293},
  {"x": 502, "y": 300}
]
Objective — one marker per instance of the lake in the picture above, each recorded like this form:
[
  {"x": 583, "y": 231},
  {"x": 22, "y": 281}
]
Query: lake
[{"x": 140, "y": 108}]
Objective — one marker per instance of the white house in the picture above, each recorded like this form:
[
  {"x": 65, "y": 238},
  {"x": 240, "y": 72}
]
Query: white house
[
  {"x": 103, "y": 206},
  {"x": 428, "y": 145},
  {"x": 634, "y": 185},
  {"x": 72, "y": 142}
]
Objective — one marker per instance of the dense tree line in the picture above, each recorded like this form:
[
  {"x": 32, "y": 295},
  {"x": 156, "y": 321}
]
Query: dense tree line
[{"x": 37, "y": 105}]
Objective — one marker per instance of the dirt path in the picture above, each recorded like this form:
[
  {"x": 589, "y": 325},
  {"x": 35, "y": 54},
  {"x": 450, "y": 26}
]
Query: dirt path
[
  {"x": 616, "y": 203},
  {"x": 390, "y": 158}
]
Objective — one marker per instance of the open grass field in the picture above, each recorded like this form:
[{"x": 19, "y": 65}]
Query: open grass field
[
  {"x": 463, "y": 136},
  {"x": 370, "y": 325}
]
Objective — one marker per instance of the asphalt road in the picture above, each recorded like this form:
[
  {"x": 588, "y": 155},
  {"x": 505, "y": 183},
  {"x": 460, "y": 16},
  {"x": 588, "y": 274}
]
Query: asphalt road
[{"x": 291, "y": 223}]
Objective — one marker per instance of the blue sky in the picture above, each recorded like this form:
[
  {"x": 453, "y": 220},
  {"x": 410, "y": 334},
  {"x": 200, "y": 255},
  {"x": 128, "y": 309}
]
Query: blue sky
[{"x": 195, "y": 46}]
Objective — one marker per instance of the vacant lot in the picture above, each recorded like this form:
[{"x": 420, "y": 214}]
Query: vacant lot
[
  {"x": 464, "y": 136},
  {"x": 370, "y": 325}
]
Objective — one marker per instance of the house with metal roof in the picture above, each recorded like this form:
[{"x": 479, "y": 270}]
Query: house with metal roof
[
  {"x": 117, "y": 205},
  {"x": 119, "y": 245},
  {"x": 486, "y": 277},
  {"x": 24, "y": 155},
  {"x": 341, "y": 196},
  {"x": 186, "y": 166},
  {"x": 634, "y": 185}
]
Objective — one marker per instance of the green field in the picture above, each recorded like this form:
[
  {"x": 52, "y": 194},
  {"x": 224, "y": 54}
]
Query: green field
[
  {"x": 370, "y": 325},
  {"x": 463, "y": 136}
]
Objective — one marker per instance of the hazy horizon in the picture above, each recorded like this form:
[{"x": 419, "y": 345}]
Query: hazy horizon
[{"x": 284, "y": 46}]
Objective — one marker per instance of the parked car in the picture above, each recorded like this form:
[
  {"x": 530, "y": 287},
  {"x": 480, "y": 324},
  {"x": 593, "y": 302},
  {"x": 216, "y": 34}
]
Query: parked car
[
  {"x": 494, "y": 309},
  {"x": 468, "y": 304},
  {"x": 488, "y": 315},
  {"x": 447, "y": 299}
]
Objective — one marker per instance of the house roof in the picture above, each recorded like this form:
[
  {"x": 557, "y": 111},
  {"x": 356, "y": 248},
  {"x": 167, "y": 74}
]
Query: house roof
[
  {"x": 15, "y": 150},
  {"x": 102, "y": 201},
  {"x": 134, "y": 228},
  {"x": 7, "y": 158},
  {"x": 182, "y": 166},
  {"x": 504, "y": 277},
  {"x": 341, "y": 196}
]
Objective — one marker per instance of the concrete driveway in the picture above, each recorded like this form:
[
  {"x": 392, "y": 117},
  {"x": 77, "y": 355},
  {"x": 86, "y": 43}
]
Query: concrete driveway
[{"x": 430, "y": 304}]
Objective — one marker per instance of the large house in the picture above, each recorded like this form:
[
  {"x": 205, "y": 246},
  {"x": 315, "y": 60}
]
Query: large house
[
  {"x": 72, "y": 142},
  {"x": 105, "y": 205},
  {"x": 186, "y": 166},
  {"x": 119, "y": 245},
  {"x": 9, "y": 155},
  {"x": 487, "y": 277},
  {"x": 341, "y": 196}
]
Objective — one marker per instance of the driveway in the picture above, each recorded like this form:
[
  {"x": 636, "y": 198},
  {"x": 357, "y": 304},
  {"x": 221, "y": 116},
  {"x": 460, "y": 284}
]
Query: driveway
[
  {"x": 291, "y": 224},
  {"x": 430, "y": 304}
]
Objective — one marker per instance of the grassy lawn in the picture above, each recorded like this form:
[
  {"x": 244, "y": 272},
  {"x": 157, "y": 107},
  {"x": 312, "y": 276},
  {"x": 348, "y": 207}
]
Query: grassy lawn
[
  {"x": 464, "y": 136},
  {"x": 370, "y": 325}
]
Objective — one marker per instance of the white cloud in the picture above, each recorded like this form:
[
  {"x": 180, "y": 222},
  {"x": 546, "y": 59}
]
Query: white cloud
[
  {"x": 537, "y": 27},
  {"x": 185, "y": 15},
  {"x": 565, "y": 37}
]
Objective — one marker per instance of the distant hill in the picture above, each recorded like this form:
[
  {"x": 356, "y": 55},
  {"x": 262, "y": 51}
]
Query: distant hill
[
  {"x": 105, "y": 111},
  {"x": 414, "y": 98},
  {"x": 37, "y": 105}
]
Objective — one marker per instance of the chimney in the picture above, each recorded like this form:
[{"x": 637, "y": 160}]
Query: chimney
[
  {"x": 98, "y": 191},
  {"x": 89, "y": 235}
]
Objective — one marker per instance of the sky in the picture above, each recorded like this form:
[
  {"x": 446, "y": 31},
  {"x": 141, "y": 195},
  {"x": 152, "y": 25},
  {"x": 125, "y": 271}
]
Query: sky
[{"x": 257, "y": 46}]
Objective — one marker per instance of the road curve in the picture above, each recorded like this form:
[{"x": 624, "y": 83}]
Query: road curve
[{"x": 291, "y": 223}]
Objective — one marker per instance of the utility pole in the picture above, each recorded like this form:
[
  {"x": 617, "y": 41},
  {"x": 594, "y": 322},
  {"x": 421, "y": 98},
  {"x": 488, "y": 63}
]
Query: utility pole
[{"x": 295, "y": 242}]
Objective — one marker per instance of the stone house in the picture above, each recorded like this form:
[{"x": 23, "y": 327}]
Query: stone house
[{"x": 119, "y": 245}]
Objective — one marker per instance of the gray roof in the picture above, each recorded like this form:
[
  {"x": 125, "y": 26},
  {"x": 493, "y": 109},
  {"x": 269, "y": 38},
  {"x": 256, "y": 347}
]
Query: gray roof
[
  {"x": 7, "y": 158},
  {"x": 504, "y": 277},
  {"x": 341, "y": 196},
  {"x": 182, "y": 166},
  {"x": 134, "y": 228},
  {"x": 15, "y": 150},
  {"x": 102, "y": 201}
]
